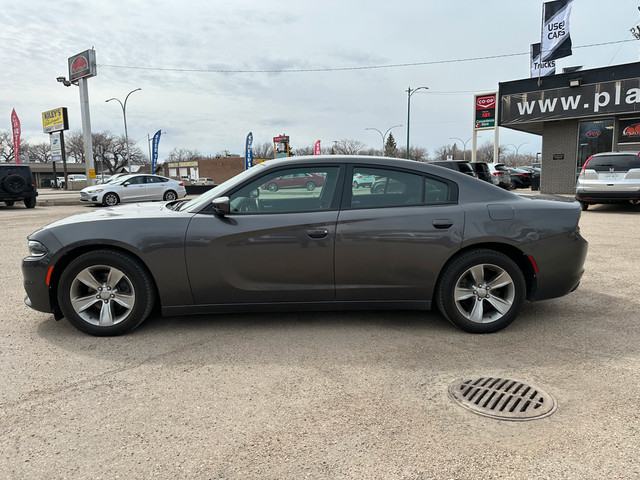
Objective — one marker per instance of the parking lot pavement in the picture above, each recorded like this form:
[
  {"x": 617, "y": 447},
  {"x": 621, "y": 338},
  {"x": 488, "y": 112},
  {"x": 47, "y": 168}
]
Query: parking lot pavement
[{"x": 323, "y": 395}]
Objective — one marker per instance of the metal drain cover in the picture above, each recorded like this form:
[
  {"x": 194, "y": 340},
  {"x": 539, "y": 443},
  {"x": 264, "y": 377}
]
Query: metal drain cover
[{"x": 502, "y": 398}]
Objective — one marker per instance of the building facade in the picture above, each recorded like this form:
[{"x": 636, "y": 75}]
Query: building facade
[{"x": 577, "y": 114}]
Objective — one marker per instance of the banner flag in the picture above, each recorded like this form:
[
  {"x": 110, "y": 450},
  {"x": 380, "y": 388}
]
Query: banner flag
[
  {"x": 538, "y": 67},
  {"x": 15, "y": 126},
  {"x": 556, "y": 38},
  {"x": 154, "y": 158},
  {"x": 317, "y": 150},
  {"x": 248, "y": 152}
]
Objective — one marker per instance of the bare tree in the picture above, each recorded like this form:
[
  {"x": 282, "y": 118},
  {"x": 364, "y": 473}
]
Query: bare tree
[
  {"x": 40, "y": 152},
  {"x": 263, "y": 150},
  {"x": 183, "y": 155},
  {"x": 6, "y": 146},
  {"x": 347, "y": 147},
  {"x": 418, "y": 154},
  {"x": 300, "y": 151}
]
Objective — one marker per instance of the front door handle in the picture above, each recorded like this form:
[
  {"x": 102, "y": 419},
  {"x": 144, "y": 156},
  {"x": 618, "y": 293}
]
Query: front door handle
[
  {"x": 442, "y": 224},
  {"x": 317, "y": 232}
]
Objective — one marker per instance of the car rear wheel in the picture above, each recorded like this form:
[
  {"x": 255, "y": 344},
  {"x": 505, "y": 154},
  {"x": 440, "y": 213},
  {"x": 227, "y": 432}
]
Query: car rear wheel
[
  {"x": 355, "y": 184},
  {"x": 584, "y": 206},
  {"x": 310, "y": 186},
  {"x": 170, "y": 195},
  {"x": 8, "y": 203},
  {"x": 110, "y": 200},
  {"x": 481, "y": 291},
  {"x": 105, "y": 293},
  {"x": 30, "y": 202},
  {"x": 272, "y": 187}
]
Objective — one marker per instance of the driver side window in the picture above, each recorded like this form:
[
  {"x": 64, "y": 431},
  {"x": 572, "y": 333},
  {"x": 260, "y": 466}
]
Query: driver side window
[{"x": 290, "y": 190}]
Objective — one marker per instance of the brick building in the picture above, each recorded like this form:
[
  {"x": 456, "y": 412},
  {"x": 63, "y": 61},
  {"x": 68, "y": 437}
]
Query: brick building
[
  {"x": 220, "y": 169},
  {"x": 577, "y": 114}
]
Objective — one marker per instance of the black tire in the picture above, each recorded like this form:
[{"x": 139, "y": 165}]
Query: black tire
[
  {"x": 584, "y": 206},
  {"x": 170, "y": 195},
  {"x": 30, "y": 202},
  {"x": 110, "y": 199},
  {"x": 14, "y": 184},
  {"x": 310, "y": 186},
  {"x": 469, "y": 296},
  {"x": 94, "y": 306},
  {"x": 272, "y": 187},
  {"x": 9, "y": 203}
]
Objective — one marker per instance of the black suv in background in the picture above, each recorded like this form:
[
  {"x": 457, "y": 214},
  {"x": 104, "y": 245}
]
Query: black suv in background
[
  {"x": 457, "y": 165},
  {"x": 17, "y": 184}
]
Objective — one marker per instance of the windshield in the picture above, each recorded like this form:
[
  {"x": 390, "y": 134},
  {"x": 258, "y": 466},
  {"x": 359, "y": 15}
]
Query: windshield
[{"x": 197, "y": 203}]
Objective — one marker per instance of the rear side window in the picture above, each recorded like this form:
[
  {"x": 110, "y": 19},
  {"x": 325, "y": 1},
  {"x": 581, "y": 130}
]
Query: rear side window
[
  {"x": 465, "y": 167},
  {"x": 619, "y": 163},
  {"x": 392, "y": 188}
]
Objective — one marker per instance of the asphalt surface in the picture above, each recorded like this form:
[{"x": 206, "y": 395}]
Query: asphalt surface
[{"x": 323, "y": 395}]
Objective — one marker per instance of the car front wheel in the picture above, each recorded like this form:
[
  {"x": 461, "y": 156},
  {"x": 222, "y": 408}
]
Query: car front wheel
[
  {"x": 105, "y": 293},
  {"x": 110, "y": 200},
  {"x": 481, "y": 291},
  {"x": 310, "y": 186}
]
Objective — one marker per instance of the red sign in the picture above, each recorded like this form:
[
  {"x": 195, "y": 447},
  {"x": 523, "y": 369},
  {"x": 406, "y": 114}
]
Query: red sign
[
  {"x": 486, "y": 102},
  {"x": 632, "y": 131},
  {"x": 485, "y": 112},
  {"x": 15, "y": 125},
  {"x": 317, "y": 150},
  {"x": 82, "y": 65}
]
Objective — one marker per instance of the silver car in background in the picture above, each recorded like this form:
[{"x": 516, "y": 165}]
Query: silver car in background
[
  {"x": 612, "y": 177},
  {"x": 134, "y": 188}
]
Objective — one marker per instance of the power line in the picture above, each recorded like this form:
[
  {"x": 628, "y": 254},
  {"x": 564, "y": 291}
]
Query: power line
[{"x": 345, "y": 69}]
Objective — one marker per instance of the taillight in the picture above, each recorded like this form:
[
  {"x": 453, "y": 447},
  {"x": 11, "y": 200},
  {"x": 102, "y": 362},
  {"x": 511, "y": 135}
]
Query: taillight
[
  {"x": 182, "y": 184},
  {"x": 533, "y": 264},
  {"x": 585, "y": 165}
]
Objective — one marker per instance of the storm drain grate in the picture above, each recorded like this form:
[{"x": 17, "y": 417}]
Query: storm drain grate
[{"x": 502, "y": 398}]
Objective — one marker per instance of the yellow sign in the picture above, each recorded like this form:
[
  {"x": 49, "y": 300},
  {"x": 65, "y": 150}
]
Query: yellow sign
[
  {"x": 192, "y": 163},
  {"x": 92, "y": 173},
  {"x": 55, "y": 120}
]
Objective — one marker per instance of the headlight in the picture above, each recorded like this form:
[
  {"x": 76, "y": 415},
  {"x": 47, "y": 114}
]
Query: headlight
[
  {"x": 37, "y": 249},
  {"x": 97, "y": 190}
]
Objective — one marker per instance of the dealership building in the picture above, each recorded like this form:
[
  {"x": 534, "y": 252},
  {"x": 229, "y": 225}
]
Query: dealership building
[{"x": 578, "y": 114}]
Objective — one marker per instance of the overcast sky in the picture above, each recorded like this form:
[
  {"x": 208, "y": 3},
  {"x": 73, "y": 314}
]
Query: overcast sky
[{"x": 206, "y": 68}]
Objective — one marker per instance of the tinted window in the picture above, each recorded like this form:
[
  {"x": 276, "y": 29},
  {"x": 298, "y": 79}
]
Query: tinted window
[
  {"x": 291, "y": 190},
  {"x": 135, "y": 180},
  {"x": 617, "y": 162},
  {"x": 392, "y": 188}
]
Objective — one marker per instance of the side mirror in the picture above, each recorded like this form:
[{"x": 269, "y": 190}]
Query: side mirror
[
  {"x": 126, "y": 184},
  {"x": 221, "y": 205}
]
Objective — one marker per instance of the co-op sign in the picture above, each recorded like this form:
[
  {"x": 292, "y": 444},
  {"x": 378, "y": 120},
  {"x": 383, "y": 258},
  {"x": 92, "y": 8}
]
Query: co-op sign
[{"x": 622, "y": 96}]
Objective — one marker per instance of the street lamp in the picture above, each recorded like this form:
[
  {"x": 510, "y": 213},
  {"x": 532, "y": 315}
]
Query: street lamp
[
  {"x": 124, "y": 114},
  {"x": 409, "y": 93},
  {"x": 517, "y": 148},
  {"x": 383, "y": 135},
  {"x": 464, "y": 152}
]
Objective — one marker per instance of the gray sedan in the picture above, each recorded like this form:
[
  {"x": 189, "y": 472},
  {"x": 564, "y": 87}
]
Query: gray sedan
[{"x": 428, "y": 236}]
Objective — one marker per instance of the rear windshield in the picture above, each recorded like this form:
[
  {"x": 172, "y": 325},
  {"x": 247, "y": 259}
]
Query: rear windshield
[{"x": 619, "y": 163}]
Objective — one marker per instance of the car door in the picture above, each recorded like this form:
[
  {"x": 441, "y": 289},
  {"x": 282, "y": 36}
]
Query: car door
[
  {"x": 392, "y": 242},
  {"x": 155, "y": 187},
  {"x": 134, "y": 191},
  {"x": 272, "y": 247}
]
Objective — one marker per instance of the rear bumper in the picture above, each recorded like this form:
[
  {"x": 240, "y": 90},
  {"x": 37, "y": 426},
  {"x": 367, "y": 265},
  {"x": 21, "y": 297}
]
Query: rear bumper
[{"x": 606, "y": 197}]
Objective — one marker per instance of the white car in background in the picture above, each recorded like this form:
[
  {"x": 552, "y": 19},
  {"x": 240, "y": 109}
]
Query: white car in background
[
  {"x": 500, "y": 175},
  {"x": 134, "y": 188}
]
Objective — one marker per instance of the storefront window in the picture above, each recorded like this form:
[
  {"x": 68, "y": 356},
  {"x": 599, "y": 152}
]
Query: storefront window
[{"x": 594, "y": 137}]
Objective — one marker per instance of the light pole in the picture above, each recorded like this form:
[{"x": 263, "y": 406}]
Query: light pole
[
  {"x": 124, "y": 114},
  {"x": 409, "y": 93},
  {"x": 517, "y": 149},
  {"x": 383, "y": 135},
  {"x": 464, "y": 152}
]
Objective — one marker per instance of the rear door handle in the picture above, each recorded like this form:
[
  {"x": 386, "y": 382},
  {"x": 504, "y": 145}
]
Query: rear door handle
[
  {"x": 317, "y": 232},
  {"x": 442, "y": 224}
]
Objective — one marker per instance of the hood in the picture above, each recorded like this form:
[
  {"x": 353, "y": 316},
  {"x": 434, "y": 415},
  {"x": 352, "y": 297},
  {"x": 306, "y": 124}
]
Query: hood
[{"x": 131, "y": 211}]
